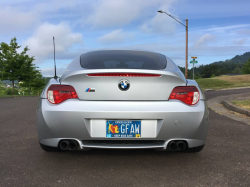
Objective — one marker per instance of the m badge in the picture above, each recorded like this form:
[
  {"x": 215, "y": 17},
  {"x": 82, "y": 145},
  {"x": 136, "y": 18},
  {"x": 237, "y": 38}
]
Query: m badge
[{"x": 90, "y": 90}]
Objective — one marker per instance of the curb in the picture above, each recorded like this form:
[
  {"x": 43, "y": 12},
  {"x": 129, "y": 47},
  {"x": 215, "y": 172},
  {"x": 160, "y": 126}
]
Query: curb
[
  {"x": 232, "y": 107},
  {"x": 221, "y": 105},
  {"x": 208, "y": 90},
  {"x": 236, "y": 88}
]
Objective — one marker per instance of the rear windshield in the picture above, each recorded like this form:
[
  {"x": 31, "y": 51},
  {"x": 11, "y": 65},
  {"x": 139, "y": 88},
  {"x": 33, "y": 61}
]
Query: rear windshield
[{"x": 123, "y": 60}]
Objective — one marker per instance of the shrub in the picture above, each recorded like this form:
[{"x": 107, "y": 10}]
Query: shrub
[
  {"x": 196, "y": 76},
  {"x": 213, "y": 75},
  {"x": 9, "y": 91}
]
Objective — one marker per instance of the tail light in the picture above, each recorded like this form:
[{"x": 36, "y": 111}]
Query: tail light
[
  {"x": 59, "y": 93},
  {"x": 187, "y": 94}
]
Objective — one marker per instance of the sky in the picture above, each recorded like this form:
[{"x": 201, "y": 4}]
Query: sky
[{"x": 218, "y": 29}]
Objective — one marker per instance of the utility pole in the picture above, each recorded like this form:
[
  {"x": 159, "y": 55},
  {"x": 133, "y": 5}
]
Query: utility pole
[
  {"x": 186, "y": 64},
  {"x": 186, "y": 70}
]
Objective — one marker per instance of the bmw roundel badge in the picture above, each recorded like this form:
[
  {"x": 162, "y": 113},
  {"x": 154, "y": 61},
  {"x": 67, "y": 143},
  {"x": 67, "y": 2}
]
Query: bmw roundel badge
[{"x": 123, "y": 85}]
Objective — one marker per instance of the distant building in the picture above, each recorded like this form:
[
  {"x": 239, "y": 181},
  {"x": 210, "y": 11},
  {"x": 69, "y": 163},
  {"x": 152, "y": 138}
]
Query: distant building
[{"x": 10, "y": 86}]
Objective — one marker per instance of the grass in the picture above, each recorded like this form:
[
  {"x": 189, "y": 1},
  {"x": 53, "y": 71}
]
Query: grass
[
  {"x": 213, "y": 83},
  {"x": 242, "y": 103},
  {"x": 2, "y": 90},
  {"x": 235, "y": 79},
  {"x": 225, "y": 81},
  {"x": 3, "y": 93}
]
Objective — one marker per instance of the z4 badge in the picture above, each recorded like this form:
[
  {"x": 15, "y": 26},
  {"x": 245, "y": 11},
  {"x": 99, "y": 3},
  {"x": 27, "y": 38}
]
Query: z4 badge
[{"x": 90, "y": 90}]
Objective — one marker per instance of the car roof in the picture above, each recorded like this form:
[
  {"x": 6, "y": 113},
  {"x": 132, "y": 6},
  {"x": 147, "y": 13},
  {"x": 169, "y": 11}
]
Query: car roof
[{"x": 124, "y": 51}]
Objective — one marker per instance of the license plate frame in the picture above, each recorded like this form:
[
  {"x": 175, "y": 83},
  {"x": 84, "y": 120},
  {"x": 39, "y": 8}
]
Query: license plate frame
[{"x": 123, "y": 128}]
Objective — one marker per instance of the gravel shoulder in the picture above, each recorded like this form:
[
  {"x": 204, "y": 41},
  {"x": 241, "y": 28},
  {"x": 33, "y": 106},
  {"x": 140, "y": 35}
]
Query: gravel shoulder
[{"x": 223, "y": 106}]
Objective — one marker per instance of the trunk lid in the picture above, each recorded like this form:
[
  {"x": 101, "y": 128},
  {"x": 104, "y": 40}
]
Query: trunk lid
[{"x": 107, "y": 87}]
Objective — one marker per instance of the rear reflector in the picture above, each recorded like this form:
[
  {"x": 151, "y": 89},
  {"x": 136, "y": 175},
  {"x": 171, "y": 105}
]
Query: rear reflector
[
  {"x": 123, "y": 75},
  {"x": 59, "y": 93},
  {"x": 187, "y": 94}
]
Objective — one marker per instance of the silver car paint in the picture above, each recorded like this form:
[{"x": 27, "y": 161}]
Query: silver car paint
[{"x": 73, "y": 119}]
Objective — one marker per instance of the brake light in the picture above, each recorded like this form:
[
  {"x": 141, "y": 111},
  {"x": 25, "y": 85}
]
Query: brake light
[
  {"x": 187, "y": 94},
  {"x": 123, "y": 75},
  {"x": 59, "y": 93}
]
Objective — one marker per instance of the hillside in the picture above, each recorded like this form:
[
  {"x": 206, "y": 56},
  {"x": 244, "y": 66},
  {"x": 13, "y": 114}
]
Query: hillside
[
  {"x": 237, "y": 59},
  {"x": 230, "y": 66}
]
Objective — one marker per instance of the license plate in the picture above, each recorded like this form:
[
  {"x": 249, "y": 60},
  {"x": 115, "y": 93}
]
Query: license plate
[{"x": 123, "y": 129}]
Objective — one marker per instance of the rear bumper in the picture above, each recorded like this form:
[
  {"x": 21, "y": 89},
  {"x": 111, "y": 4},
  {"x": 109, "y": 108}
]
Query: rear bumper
[
  {"x": 53, "y": 142},
  {"x": 72, "y": 120}
]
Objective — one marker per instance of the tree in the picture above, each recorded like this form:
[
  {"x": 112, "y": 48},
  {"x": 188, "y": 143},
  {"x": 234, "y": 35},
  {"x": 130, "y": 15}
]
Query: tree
[
  {"x": 246, "y": 68},
  {"x": 14, "y": 65},
  {"x": 208, "y": 70},
  {"x": 36, "y": 82},
  {"x": 233, "y": 65}
]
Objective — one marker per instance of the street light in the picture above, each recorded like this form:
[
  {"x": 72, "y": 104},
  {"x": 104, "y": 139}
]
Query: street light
[{"x": 186, "y": 26}]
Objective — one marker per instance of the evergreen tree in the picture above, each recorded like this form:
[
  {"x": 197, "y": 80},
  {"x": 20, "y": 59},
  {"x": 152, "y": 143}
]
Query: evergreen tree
[
  {"x": 246, "y": 68},
  {"x": 233, "y": 65}
]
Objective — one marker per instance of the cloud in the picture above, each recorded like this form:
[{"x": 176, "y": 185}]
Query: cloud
[
  {"x": 111, "y": 13},
  {"x": 41, "y": 44},
  {"x": 243, "y": 32},
  {"x": 14, "y": 20},
  {"x": 115, "y": 36},
  {"x": 240, "y": 41},
  {"x": 55, "y": 5},
  {"x": 161, "y": 23},
  {"x": 108, "y": 13},
  {"x": 206, "y": 38}
]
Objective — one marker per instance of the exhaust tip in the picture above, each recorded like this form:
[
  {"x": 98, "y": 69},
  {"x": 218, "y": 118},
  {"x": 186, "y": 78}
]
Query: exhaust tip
[
  {"x": 173, "y": 146},
  {"x": 73, "y": 145},
  {"x": 64, "y": 145},
  {"x": 181, "y": 145}
]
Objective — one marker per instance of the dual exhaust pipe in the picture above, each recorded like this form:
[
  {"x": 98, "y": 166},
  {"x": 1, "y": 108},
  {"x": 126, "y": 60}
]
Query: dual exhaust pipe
[
  {"x": 177, "y": 145},
  {"x": 68, "y": 145},
  {"x": 73, "y": 145}
]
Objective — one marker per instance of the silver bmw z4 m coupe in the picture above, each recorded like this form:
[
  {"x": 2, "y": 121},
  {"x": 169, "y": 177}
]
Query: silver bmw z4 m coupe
[{"x": 122, "y": 99}]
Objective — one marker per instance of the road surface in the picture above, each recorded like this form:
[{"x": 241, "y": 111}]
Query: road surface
[{"x": 225, "y": 160}]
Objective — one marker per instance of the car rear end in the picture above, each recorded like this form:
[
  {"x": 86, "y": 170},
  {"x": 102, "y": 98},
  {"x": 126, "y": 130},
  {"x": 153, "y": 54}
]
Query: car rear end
[{"x": 125, "y": 100}]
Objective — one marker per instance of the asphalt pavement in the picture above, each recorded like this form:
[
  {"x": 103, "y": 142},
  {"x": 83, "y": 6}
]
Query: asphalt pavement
[{"x": 224, "y": 161}]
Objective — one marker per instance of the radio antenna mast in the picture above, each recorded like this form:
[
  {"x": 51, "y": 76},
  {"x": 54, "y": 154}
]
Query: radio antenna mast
[{"x": 55, "y": 77}]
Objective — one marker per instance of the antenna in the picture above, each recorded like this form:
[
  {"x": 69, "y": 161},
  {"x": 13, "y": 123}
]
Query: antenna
[{"x": 55, "y": 77}]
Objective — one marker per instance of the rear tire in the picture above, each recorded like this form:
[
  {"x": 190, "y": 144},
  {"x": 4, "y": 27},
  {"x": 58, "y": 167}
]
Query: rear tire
[
  {"x": 49, "y": 149},
  {"x": 195, "y": 149}
]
